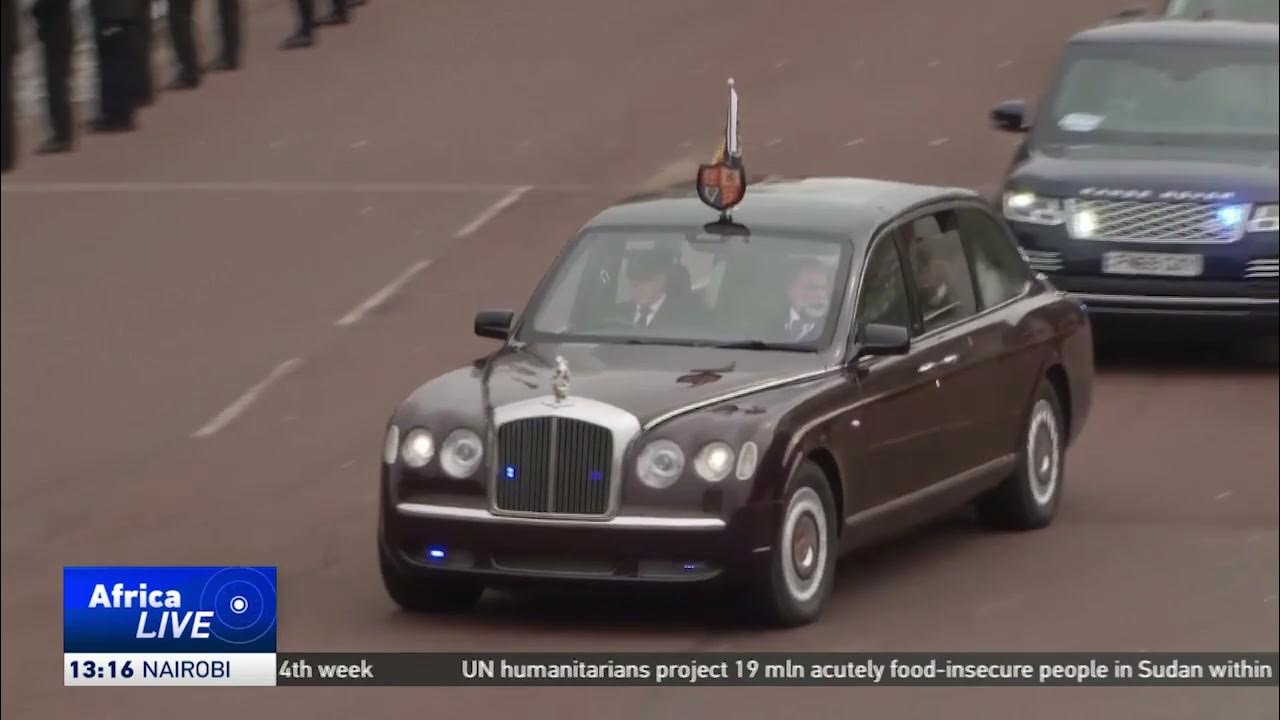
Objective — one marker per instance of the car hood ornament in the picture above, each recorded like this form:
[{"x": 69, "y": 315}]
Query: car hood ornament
[{"x": 560, "y": 379}]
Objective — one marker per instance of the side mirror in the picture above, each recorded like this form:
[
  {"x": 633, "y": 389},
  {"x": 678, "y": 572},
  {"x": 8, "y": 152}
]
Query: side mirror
[
  {"x": 884, "y": 340},
  {"x": 494, "y": 323},
  {"x": 1010, "y": 116}
]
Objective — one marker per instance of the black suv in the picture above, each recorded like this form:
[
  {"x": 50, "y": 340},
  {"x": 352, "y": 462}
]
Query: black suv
[{"x": 1148, "y": 183}]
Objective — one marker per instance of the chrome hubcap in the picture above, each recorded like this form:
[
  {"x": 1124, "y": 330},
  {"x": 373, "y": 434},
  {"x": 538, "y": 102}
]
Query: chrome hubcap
[
  {"x": 1044, "y": 452},
  {"x": 804, "y": 545}
]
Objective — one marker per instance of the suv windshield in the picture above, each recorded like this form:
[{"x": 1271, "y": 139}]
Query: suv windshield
[
  {"x": 779, "y": 291},
  {"x": 1225, "y": 9},
  {"x": 1166, "y": 95}
]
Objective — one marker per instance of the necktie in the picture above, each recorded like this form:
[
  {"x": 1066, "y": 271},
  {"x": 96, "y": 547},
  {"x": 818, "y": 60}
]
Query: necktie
[{"x": 642, "y": 315}]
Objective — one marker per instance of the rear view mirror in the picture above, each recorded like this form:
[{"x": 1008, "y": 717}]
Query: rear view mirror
[
  {"x": 1010, "y": 116},
  {"x": 884, "y": 340},
  {"x": 494, "y": 323}
]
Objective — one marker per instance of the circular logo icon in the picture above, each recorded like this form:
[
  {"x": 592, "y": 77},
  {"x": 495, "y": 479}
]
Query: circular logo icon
[{"x": 243, "y": 601}]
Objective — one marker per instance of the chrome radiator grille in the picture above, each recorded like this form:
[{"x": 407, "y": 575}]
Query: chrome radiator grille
[
  {"x": 1262, "y": 268},
  {"x": 553, "y": 465},
  {"x": 1184, "y": 222}
]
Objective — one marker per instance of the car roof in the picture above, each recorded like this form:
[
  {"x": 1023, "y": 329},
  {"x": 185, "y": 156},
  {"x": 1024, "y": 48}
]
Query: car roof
[
  {"x": 826, "y": 205},
  {"x": 1175, "y": 31}
]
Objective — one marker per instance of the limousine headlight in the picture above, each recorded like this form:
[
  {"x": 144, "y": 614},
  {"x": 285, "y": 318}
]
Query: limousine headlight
[
  {"x": 418, "y": 448},
  {"x": 460, "y": 453},
  {"x": 1024, "y": 206},
  {"x": 660, "y": 464},
  {"x": 714, "y": 461}
]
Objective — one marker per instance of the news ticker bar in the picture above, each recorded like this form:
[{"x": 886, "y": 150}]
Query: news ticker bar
[{"x": 1250, "y": 669}]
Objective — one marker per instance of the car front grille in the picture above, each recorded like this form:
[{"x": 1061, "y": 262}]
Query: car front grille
[
  {"x": 553, "y": 465},
  {"x": 1042, "y": 260},
  {"x": 1170, "y": 222},
  {"x": 1262, "y": 268}
]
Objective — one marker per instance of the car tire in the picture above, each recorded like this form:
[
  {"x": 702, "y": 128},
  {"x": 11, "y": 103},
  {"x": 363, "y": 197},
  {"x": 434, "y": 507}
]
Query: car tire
[
  {"x": 1028, "y": 499},
  {"x": 420, "y": 594},
  {"x": 801, "y": 570}
]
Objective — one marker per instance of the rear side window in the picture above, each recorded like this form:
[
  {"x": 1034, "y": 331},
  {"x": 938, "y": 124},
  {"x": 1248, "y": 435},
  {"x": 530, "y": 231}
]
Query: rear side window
[
  {"x": 998, "y": 270},
  {"x": 884, "y": 291},
  {"x": 944, "y": 287}
]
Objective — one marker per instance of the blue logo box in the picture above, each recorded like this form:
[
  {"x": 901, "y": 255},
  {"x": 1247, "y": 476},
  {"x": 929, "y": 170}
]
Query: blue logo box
[{"x": 168, "y": 609}]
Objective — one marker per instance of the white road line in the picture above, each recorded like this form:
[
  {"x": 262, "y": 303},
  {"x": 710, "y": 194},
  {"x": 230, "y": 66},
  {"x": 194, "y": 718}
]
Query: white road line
[
  {"x": 1004, "y": 64},
  {"x": 1223, "y": 496},
  {"x": 242, "y": 403},
  {"x": 773, "y": 142},
  {"x": 853, "y": 142},
  {"x": 938, "y": 141},
  {"x": 493, "y": 211},
  {"x": 276, "y": 186},
  {"x": 369, "y": 305}
]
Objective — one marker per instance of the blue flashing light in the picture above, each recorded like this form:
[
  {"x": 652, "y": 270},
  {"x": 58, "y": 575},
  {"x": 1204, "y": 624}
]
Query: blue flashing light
[
  {"x": 596, "y": 476},
  {"x": 436, "y": 553},
  {"x": 1231, "y": 215},
  {"x": 690, "y": 566},
  {"x": 509, "y": 472}
]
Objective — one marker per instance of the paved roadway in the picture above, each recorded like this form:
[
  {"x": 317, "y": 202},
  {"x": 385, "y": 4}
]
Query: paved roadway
[{"x": 151, "y": 280}]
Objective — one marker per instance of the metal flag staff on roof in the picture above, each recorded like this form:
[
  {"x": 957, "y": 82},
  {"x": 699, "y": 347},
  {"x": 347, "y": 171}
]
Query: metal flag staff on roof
[{"x": 723, "y": 183}]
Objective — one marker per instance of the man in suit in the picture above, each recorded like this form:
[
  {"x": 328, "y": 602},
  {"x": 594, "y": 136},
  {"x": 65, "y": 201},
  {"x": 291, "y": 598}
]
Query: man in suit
[
  {"x": 146, "y": 83},
  {"x": 57, "y": 43},
  {"x": 808, "y": 300},
  {"x": 182, "y": 36},
  {"x": 656, "y": 301},
  {"x": 229, "y": 34},
  {"x": 120, "y": 46},
  {"x": 10, "y": 30}
]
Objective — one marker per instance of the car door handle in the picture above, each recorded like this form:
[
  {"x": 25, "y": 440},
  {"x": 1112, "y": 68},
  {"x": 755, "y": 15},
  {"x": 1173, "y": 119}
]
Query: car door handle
[
  {"x": 949, "y": 360},
  {"x": 926, "y": 367}
]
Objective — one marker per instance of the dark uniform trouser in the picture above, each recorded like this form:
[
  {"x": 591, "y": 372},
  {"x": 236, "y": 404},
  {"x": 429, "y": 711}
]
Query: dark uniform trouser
[
  {"x": 146, "y": 83},
  {"x": 229, "y": 27},
  {"x": 182, "y": 34},
  {"x": 120, "y": 47},
  {"x": 307, "y": 14},
  {"x": 57, "y": 41}
]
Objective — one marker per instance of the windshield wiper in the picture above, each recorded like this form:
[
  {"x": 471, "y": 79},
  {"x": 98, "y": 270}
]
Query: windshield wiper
[{"x": 758, "y": 345}]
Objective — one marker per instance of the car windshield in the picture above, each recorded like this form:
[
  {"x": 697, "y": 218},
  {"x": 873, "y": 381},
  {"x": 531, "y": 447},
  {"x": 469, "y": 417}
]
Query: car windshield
[
  {"x": 774, "y": 291},
  {"x": 1260, "y": 10},
  {"x": 1166, "y": 95}
]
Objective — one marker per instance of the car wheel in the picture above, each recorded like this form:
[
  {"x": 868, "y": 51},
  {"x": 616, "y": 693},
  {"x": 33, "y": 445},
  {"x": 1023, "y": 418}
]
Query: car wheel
[
  {"x": 417, "y": 593},
  {"x": 802, "y": 564},
  {"x": 1028, "y": 498}
]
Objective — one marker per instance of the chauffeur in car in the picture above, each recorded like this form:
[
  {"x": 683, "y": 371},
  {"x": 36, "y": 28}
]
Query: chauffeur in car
[{"x": 740, "y": 396}]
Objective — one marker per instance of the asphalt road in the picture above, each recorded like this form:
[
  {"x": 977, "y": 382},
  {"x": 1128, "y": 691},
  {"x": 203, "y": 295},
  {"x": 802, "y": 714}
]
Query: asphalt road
[{"x": 240, "y": 243}]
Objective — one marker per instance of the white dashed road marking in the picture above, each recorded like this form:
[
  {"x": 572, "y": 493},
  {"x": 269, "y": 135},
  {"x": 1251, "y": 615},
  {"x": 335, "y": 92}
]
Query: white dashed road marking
[
  {"x": 853, "y": 142},
  {"x": 938, "y": 141},
  {"x": 1224, "y": 495},
  {"x": 493, "y": 211},
  {"x": 242, "y": 403},
  {"x": 375, "y": 300}
]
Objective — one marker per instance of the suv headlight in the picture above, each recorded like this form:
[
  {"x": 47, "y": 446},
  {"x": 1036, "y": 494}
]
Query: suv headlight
[
  {"x": 1266, "y": 218},
  {"x": 660, "y": 464},
  {"x": 714, "y": 461},
  {"x": 418, "y": 448},
  {"x": 461, "y": 453},
  {"x": 391, "y": 445},
  {"x": 1028, "y": 207}
]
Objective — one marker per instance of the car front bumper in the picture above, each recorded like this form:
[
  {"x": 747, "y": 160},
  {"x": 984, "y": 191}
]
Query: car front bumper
[{"x": 469, "y": 540}]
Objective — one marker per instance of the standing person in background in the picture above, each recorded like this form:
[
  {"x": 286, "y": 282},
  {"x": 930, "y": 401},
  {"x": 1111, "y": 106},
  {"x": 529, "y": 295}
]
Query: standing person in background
[
  {"x": 9, "y": 18},
  {"x": 304, "y": 36},
  {"x": 120, "y": 49},
  {"x": 57, "y": 42},
  {"x": 229, "y": 33},
  {"x": 182, "y": 36}
]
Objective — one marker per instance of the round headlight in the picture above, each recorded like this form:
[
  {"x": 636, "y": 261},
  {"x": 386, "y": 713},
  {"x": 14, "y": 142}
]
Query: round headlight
[
  {"x": 461, "y": 452},
  {"x": 391, "y": 446},
  {"x": 747, "y": 460},
  {"x": 660, "y": 464},
  {"x": 714, "y": 461},
  {"x": 418, "y": 448}
]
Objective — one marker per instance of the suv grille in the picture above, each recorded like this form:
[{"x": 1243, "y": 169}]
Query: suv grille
[
  {"x": 554, "y": 465},
  {"x": 1155, "y": 221}
]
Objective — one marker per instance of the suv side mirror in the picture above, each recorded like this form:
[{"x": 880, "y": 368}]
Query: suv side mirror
[
  {"x": 880, "y": 339},
  {"x": 494, "y": 323},
  {"x": 1010, "y": 116}
]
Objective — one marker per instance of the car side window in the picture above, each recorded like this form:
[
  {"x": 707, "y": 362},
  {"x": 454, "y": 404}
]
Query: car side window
[
  {"x": 998, "y": 270},
  {"x": 944, "y": 287},
  {"x": 883, "y": 295}
]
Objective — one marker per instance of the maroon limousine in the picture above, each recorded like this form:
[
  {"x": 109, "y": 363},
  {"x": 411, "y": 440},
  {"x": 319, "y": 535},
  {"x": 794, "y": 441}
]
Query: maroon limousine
[{"x": 699, "y": 397}]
